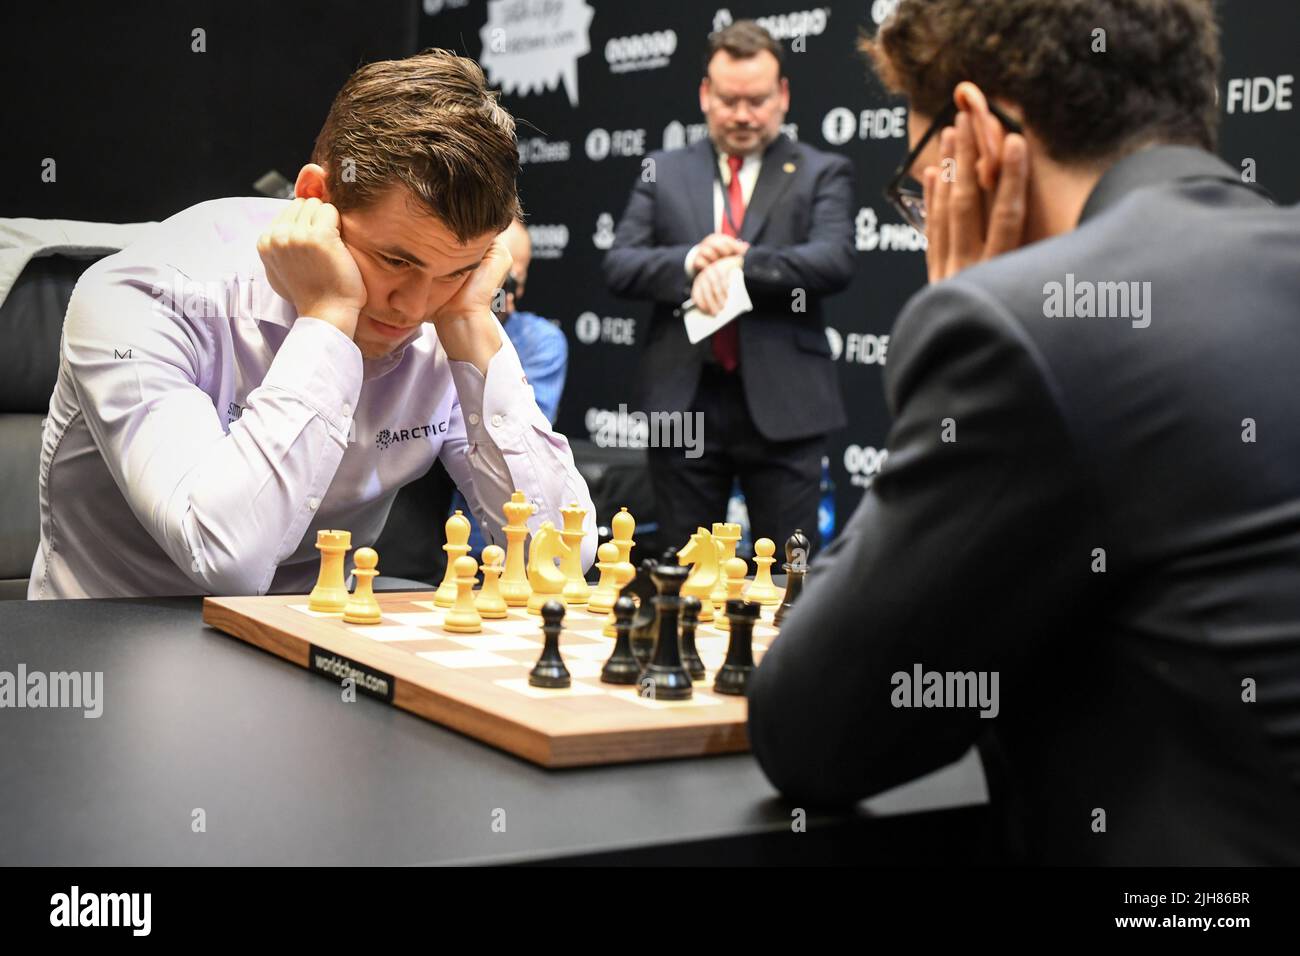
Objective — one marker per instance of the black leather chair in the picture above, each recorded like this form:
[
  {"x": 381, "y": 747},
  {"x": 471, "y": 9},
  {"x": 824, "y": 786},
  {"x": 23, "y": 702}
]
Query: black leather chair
[{"x": 32, "y": 321}]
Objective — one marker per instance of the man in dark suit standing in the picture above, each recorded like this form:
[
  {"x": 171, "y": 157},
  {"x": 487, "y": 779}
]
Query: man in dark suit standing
[
  {"x": 746, "y": 200},
  {"x": 1083, "y": 554}
]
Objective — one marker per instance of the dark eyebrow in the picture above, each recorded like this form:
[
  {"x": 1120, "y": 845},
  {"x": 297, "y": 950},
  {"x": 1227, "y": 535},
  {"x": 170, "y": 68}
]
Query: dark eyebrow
[
  {"x": 462, "y": 270},
  {"x": 397, "y": 252}
]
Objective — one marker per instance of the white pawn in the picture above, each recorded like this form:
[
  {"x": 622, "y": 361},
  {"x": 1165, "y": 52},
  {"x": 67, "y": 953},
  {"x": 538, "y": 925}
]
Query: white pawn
[
  {"x": 761, "y": 589},
  {"x": 363, "y": 607},
  {"x": 463, "y": 618},
  {"x": 457, "y": 546},
  {"x": 490, "y": 603},
  {"x": 734, "y": 571},
  {"x": 602, "y": 599}
]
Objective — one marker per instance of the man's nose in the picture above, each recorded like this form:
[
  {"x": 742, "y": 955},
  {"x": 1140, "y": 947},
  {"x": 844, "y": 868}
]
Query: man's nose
[{"x": 413, "y": 299}]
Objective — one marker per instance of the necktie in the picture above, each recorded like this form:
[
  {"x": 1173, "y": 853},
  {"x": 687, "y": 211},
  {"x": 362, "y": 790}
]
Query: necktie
[{"x": 726, "y": 341}]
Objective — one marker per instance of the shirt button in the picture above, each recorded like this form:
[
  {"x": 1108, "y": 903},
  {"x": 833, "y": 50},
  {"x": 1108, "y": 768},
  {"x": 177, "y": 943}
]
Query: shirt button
[
  {"x": 473, "y": 418},
  {"x": 497, "y": 420},
  {"x": 347, "y": 409},
  {"x": 313, "y": 503}
]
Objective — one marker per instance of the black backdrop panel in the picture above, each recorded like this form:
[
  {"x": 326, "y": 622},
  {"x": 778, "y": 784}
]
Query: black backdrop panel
[
  {"x": 621, "y": 80},
  {"x": 142, "y": 125}
]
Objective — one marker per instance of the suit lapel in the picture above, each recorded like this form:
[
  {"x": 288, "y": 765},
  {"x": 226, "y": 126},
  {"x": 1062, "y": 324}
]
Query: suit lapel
[
  {"x": 774, "y": 177},
  {"x": 699, "y": 186}
]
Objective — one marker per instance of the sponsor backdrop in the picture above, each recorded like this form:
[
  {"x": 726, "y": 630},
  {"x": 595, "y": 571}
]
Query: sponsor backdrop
[{"x": 600, "y": 84}]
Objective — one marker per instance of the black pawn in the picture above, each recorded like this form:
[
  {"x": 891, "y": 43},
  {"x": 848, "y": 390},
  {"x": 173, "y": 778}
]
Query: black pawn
[
  {"x": 690, "y": 619},
  {"x": 622, "y": 666},
  {"x": 733, "y": 676},
  {"x": 797, "y": 548},
  {"x": 665, "y": 673},
  {"x": 550, "y": 670}
]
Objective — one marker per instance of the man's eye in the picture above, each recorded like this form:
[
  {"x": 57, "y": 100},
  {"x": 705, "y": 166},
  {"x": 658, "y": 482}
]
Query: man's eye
[{"x": 395, "y": 263}]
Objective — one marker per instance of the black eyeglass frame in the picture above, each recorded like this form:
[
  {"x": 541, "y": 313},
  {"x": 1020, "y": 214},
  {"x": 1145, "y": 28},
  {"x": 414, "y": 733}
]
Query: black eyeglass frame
[{"x": 910, "y": 203}]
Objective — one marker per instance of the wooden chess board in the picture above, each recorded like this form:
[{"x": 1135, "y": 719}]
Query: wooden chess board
[{"x": 478, "y": 685}]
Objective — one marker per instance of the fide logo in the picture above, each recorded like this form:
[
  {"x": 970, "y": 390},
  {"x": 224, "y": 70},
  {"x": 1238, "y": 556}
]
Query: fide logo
[
  {"x": 602, "y": 143},
  {"x": 611, "y": 330},
  {"x": 836, "y": 342},
  {"x": 603, "y": 238}
]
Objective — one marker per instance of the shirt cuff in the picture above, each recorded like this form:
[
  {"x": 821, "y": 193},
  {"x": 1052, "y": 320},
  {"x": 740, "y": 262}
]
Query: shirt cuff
[
  {"x": 690, "y": 261},
  {"x": 496, "y": 406},
  {"x": 322, "y": 367}
]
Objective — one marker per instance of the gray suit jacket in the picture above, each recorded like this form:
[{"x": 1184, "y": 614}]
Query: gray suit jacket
[
  {"x": 1103, "y": 510},
  {"x": 799, "y": 225}
]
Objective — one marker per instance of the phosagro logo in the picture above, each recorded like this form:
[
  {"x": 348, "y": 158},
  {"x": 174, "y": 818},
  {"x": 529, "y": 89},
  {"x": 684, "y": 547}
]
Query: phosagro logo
[
  {"x": 645, "y": 51},
  {"x": 549, "y": 242},
  {"x": 863, "y": 463},
  {"x": 841, "y": 124},
  {"x": 391, "y": 436},
  {"x": 591, "y": 328},
  {"x": 782, "y": 26},
  {"x": 871, "y": 235},
  {"x": 621, "y": 142}
]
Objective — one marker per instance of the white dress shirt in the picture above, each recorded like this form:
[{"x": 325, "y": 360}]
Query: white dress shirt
[{"x": 201, "y": 432}]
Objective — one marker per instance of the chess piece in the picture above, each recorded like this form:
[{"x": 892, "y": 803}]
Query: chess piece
[
  {"x": 761, "y": 590},
  {"x": 690, "y": 656},
  {"x": 576, "y": 589},
  {"x": 702, "y": 555},
  {"x": 622, "y": 666},
  {"x": 463, "y": 618},
  {"x": 514, "y": 581},
  {"x": 666, "y": 677},
  {"x": 457, "y": 546},
  {"x": 726, "y": 536},
  {"x": 797, "y": 552},
  {"x": 602, "y": 599},
  {"x": 624, "y": 574},
  {"x": 735, "y": 572},
  {"x": 363, "y": 608},
  {"x": 550, "y": 670},
  {"x": 622, "y": 527},
  {"x": 642, "y": 588},
  {"x": 330, "y": 595},
  {"x": 733, "y": 675},
  {"x": 491, "y": 605},
  {"x": 545, "y": 580}
]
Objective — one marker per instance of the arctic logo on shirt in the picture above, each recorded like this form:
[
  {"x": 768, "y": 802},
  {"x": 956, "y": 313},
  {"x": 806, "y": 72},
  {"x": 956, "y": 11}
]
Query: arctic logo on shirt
[{"x": 391, "y": 436}]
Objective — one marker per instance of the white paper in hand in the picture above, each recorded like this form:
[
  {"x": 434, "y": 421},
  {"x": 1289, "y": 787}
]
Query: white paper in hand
[{"x": 700, "y": 325}]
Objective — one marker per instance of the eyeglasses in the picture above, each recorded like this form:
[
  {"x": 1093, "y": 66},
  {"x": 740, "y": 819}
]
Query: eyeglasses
[{"x": 909, "y": 200}]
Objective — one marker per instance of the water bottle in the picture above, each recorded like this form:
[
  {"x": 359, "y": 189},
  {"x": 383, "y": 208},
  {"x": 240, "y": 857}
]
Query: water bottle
[{"x": 826, "y": 510}]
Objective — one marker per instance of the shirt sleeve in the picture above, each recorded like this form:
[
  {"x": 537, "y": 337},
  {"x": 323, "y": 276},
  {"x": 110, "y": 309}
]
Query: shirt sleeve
[
  {"x": 227, "y": 508},
  {"x": 499, "y": 442}
]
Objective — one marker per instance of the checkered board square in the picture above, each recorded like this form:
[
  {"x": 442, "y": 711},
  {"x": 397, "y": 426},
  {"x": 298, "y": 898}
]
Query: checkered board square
[{"x": 478, "y": 683}]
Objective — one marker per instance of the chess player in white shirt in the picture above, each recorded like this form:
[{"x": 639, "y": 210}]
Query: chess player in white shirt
[{"x": 256, "y": 370}]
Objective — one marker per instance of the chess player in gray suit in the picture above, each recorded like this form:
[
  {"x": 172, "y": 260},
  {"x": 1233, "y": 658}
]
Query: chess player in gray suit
[{"x": 1083, "y": 554}]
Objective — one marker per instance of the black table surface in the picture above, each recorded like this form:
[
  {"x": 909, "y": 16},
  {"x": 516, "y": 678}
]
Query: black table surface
[{"x": 286, "y": 772}]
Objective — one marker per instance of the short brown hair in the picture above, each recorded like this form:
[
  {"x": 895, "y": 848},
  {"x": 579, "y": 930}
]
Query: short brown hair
[
  {"x": 1156, "y": 82},
  {"x": 429, "y": 123},
  {"x": 743, "y": 39}
]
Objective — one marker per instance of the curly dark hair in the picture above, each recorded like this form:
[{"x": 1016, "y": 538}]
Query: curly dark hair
[{"x": 1155, "y": 82}]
